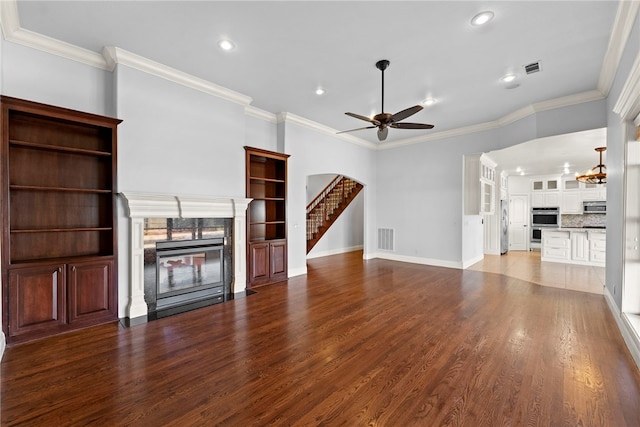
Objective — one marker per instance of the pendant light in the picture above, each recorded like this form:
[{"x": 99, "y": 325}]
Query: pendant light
[{"x": 597, "y": 175}]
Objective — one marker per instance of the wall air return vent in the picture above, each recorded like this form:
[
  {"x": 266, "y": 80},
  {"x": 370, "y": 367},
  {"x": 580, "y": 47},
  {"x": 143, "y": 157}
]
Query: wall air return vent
[
  {"x": 534, "y": 67},
  {"x": 386, "y": 239}
]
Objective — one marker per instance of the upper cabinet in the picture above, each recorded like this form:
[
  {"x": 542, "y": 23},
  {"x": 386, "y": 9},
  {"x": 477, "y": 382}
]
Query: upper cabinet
[
  {"x": 545, "y": 193},
  {"x": 480, "y": 184}
]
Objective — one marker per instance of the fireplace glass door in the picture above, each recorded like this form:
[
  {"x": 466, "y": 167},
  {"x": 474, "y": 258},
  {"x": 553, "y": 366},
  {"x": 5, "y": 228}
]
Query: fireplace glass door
[{"x": 187, "y": 270}]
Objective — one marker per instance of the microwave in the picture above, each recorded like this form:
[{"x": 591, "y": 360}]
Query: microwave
[{"x": 594, "y": 207}]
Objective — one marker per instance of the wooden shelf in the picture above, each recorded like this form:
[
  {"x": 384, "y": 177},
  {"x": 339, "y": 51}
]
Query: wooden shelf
[
  {"x": 71, "y": 190},
  {"x": 266, "y": 184},
  {"x": 58, "y": 148},
  {"x": 59, "y": 230},
  {"x": 58, "y": 219}
]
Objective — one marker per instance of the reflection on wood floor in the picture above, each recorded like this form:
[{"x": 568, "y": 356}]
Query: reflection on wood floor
[{"x": 526, "y": 265}]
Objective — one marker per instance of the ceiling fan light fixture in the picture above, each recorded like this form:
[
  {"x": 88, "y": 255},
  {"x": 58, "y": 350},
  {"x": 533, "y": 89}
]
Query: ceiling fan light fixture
[
  {"x": 429, "y": 101},
  {"x": 598, "y": 174},
  {"x": 482, "y": 18}
]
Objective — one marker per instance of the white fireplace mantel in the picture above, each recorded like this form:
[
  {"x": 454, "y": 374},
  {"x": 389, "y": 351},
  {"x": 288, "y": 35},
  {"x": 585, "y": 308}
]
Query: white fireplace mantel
[{"x": 145, "y": 205}]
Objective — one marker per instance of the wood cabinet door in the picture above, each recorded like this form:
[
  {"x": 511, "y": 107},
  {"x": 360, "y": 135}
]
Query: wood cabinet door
[
  {"x": 36, "y": 301},
  {"x": 90, "y": 291},
  {"x": 278, "y": 259},
  {"x": 258, "y": 262}
]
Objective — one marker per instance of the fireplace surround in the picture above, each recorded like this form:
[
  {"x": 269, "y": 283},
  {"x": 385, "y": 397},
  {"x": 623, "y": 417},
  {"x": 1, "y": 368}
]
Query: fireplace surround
[{"x": 143, "y": 208}]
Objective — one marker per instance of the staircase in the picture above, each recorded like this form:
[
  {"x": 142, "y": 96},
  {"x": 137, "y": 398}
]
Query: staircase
[{"x": 325, "y": 209}]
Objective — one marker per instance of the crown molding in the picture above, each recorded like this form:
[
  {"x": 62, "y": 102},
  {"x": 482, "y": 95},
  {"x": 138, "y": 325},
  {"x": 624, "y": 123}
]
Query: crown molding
[
  {"x": 628, "y": 104},
  {"x": 258, "y": 113},
  {"x": 115, "y": 55},
  {"x": 622, "y": 26},
  {"x": 11, "y": 30},
  {"x": 310, "y": 124},
  {"x": 565, "y": 101}
]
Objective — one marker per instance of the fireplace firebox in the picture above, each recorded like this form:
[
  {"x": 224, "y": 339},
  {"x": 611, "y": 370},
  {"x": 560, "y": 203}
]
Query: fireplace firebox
[
  {"x": 187, "y": 264},
  {"x": 189, "y": 271}
]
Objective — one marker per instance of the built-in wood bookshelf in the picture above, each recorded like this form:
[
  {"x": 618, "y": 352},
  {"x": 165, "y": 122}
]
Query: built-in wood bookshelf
[
  {"x": 59, "y": 237},
  {"x": 266, "y": 179}
]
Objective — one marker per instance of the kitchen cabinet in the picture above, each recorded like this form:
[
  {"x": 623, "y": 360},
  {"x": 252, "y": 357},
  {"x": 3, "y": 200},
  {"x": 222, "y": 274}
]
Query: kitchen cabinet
[
  {"x": 574, "y": 246},
  {"x": 266, "y": 184},
  {"x": 594, "y": 195},
  {"x": 545, "y": 199},
  {"x": 556, "y": 245},
  {"x": 571, "y": 203},
  {"x": 598, "y": 248},
  {"x": 548, "y": 184},
  {"x": 59, "y": 245},
  {"x": 480, "y": 184},
  {"x": 579, "y": 246}
]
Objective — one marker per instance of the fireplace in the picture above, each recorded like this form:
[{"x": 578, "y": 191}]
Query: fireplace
[
  {"x": 187, "y": 263},
  {"x": 189, "y": 271},
  {"x": 185, "y": 252}
]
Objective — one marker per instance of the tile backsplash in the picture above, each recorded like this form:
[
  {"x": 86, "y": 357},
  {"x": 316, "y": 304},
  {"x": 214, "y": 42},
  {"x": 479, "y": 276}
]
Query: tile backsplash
[{"x": 585, "y": 220}]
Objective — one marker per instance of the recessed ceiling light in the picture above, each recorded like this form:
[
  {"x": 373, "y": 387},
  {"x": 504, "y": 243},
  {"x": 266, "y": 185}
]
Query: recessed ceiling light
[
  {"x": 319, "y": 91},
  {"x": 566, "y": 171},
  {"x": 508, "y": 78},
  {"x": 429, "y": 101},
  {"x": 518, "y": 169},
  {"x": 226, "y": 44},
  {"x": 482, "y": 18}
]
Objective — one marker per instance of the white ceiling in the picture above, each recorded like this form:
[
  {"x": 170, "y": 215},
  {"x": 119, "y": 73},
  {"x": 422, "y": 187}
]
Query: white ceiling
[{"x": 286, "y": 49}]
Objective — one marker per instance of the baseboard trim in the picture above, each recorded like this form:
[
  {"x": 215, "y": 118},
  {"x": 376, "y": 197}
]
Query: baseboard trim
[
  {"x": 418, "y": 260},
  {"x": 293, "y": 272},
  {"x": 312, "y": 254},
  {"x": 629, "y": 335},
  {"x": 469, "y": 263}
]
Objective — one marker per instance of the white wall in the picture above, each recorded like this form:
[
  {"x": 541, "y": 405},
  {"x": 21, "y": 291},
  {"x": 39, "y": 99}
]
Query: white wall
[
  {"x": 615, "y": 171},
  {"x": 312, "y": 153},
  {"x": 420, "y": 188}
]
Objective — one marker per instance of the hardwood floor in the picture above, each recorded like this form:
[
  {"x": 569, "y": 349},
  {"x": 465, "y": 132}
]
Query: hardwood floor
[
  {"x": 352, "y": 343},
  {"x": 526, "y": 265}
]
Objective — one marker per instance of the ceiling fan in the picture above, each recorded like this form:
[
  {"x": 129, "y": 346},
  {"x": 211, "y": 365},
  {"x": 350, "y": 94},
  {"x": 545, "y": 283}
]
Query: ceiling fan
[{"x": 384, "y": 121}]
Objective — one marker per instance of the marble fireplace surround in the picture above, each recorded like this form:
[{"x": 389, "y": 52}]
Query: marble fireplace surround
[{"x": 144, "y": 205}]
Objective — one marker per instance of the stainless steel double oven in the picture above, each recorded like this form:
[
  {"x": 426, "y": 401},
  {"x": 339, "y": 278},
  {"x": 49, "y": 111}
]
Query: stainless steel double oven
[{"x": 542, "y": 218}]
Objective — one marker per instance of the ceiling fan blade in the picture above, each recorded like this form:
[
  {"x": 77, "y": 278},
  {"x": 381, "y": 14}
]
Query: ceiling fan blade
[
  {"x": 353, "y": 130},
  {"x": 411, "y": 126},
  {"x": 382, "y": 133},
  {"x": 406, "y": 113},
  {"x": 365, "y": 118}
]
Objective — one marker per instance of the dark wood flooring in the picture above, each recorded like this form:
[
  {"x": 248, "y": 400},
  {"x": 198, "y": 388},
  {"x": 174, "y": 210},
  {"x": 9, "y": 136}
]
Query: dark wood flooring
[{"x": 376, "y": 343}]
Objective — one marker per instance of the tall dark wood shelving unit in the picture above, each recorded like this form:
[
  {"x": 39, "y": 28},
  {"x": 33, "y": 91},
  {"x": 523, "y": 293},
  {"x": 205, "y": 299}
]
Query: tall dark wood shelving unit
[
  {"x": 266, "y": 178},
  {"x": 59, "y": 239}
]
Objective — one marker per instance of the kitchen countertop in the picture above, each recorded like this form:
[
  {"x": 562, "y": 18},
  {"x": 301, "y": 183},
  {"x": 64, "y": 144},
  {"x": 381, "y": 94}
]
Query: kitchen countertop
[{"x": 595, "y": 230}]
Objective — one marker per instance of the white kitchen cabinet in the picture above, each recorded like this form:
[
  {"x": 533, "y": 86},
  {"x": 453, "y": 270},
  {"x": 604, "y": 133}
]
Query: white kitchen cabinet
[
  {"x": 556, "y": 245},
  {"x": 570, "y": 184},
  {"x": 579, "y": 246},
  {"x": 548, "y": 184},
  {"x": 598, "y": 248},
  {"x": 545, "y": 199},
  {"x": 594, "y": 195},
  {"x": 479, "y": 187},
  {"x": 574, "y": 246},
  {"x": 571, "y": 203},
  {"x": 545, "y": 193}
]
